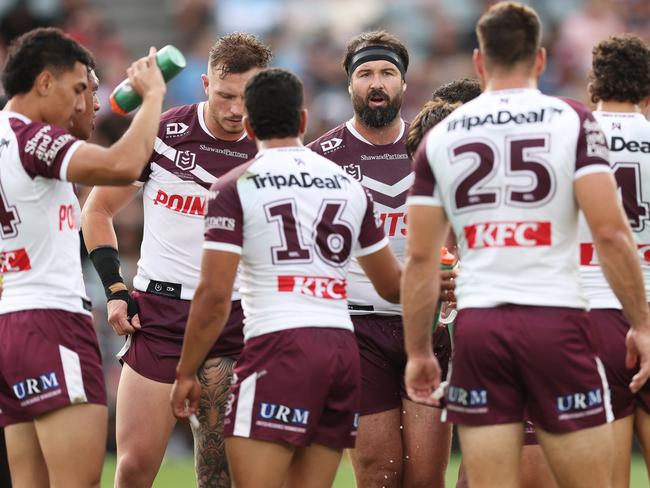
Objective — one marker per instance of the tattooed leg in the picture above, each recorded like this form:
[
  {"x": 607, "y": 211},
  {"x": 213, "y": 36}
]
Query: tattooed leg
[{"x": 209, "y": 449}]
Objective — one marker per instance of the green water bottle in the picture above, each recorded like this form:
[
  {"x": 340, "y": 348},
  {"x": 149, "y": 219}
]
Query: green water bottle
[{"x": 124, "y": 98}]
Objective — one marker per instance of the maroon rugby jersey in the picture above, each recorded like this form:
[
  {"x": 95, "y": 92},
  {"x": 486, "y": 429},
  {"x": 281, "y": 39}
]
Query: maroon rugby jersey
[
  {"x": 385, "y": 171},
  {"x": 186, "y": 160}
]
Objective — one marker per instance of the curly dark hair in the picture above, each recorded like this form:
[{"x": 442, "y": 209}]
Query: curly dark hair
[
  {"x": 376, "y": 38},
  {"x": 37, "y": 50},
  {"x": 429, "y": 116},
  {"x": 509, "y": 33},
  {"x": 620, "y": 70},
  {"x": 274, "y": 101},
  {"x": 238, "y": 52},
  {"x": 460, "y": 90}
]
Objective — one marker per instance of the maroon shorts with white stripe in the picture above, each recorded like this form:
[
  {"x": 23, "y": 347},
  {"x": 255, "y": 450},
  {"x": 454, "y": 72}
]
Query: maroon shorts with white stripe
[
  {"x": 297, "y": 386},
  {"x": 155, "y": 349},
  {"x": 609, "y": 329},
  {"x": 49, "y": 359},
  {"x": 513, "y": 363}
]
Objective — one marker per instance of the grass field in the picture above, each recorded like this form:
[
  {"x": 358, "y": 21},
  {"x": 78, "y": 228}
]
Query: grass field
[{"x": 179, "y": 473}]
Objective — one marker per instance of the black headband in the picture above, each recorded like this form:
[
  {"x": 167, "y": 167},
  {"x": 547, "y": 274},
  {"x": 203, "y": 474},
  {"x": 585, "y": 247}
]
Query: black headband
[{"x": 375, "y": 53}]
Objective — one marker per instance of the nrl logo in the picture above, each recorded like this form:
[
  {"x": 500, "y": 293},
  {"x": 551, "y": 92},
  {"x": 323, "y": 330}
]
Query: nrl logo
[
  {"x": 353, "y": 170},
  {"x": 185, "y": 160}
]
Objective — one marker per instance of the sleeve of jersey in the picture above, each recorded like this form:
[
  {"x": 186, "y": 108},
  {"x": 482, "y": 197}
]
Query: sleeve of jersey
[
  {"x": 423, "y": 191},
  {"x": 46, "y": 150},
  {"x": 371, "y": 235},
  {"x": 224, "y": 218},
  {"x": 592, "y": 155}
]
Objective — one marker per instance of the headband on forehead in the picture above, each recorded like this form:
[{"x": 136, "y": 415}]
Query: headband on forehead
[{"x": 375, "y": 53}]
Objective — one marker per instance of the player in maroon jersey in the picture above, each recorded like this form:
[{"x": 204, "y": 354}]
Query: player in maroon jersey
[
  {"x": 400, "y": 443},
  {"x": 196, "y": 145}
]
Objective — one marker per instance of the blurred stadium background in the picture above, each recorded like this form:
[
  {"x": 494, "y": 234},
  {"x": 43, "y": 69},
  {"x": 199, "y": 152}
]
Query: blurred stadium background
[{"x": 308, "y": 37}]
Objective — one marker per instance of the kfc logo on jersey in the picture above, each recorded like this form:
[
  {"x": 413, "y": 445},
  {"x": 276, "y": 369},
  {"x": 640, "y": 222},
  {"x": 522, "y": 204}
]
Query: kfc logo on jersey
[
  {"x": 14, "y": 261},
  {"x": 175, "y": 129},
  {"x": 315, "y": 286},
  {"x": 589, "y": 257},
  {"x": 330, "y": 144},
  {"x": 354, "y": 170},
  {"x": 508, "y": 234}
]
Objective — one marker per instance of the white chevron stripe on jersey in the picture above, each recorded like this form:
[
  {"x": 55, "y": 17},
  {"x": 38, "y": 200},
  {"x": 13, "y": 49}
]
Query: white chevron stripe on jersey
[
  {"x": 170, "y": 153},
  {"x": 389, "y": 190}
]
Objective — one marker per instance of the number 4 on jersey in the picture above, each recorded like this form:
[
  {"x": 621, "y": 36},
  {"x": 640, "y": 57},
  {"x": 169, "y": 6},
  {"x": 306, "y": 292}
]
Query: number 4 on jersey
[
  {"x": 628, "y": 179},
  {"x": 9, "y": 218}
]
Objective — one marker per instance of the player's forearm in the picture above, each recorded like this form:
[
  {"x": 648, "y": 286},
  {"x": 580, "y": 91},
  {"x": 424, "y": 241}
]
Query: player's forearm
[
  {"x": 97, "y": 228},
  {"x": 620, "y": 264},
  {"x": 420, "y": 291},
  {"x": 208, "y": 315}
]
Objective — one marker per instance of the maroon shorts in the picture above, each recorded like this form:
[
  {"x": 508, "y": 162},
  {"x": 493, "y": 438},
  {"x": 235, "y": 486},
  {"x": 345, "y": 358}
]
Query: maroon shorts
[
  {"x": 383, "y": 359},
  {"x": 49, "y": 359},
  {"x": 297, "y": 386},
  {"x": 609, "y": 329},
  {"x": 513, "y": 363},
  {"x": 155, "y": 349}
]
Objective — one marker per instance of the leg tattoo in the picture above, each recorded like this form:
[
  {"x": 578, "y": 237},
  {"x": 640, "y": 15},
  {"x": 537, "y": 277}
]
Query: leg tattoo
[{"x": 209, "y": 448}]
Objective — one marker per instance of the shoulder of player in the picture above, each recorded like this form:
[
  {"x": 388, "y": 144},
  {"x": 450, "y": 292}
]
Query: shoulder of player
[
  {"x": 337, "y": 132},
  {"x": 179, "y": 112}
]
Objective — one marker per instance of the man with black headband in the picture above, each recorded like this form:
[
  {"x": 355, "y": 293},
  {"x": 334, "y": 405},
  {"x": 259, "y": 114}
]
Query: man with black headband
[{"x": 399, "y": 443}]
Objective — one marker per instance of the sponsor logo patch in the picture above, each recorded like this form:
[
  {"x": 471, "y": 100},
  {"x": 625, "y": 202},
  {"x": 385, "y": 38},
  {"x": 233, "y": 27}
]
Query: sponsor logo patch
[
  {"x": 315, "y": 286},
  {"x": 186, "y": 204},
  {"x": 15, "y": 261},
  {"x": 508, "y": 234}
]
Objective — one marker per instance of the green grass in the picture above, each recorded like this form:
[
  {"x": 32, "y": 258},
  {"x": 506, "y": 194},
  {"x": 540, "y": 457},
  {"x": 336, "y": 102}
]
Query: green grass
[{"x": 179, "y": 473}]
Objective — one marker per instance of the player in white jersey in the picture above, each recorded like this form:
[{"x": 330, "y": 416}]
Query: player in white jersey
[
  {"x": 52, "y": 395},
  {"x": 509, "y": 171},
  {"x": 196, "y": 145},
  {"x": 295, "y": 219},
  {"x": 620, "y": 86},
  {"x": 400, "y": 443}
]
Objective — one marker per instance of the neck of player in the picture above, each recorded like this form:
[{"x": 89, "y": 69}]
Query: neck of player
[
  {"x": 379, "y": 136},
  {"x": 510, "y": 81},
  {"x": 22, "y": 105},
  {"x": 281, "y": 142},
  {"x": 615, "y": 106}
]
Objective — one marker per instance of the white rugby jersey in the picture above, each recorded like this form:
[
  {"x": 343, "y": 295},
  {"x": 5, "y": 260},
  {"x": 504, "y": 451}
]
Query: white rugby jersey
[
  {"x": 503, "y": 167},
  {"x": 186, "y": 160},
  {"x": 628, "y": 138},
  {"x": 296, "y": 219},
  {"x": 385, "y": 171},
  {"x": 39, "y": 212}
]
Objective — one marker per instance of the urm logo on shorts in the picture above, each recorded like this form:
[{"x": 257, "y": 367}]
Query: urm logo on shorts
[
  {"x": 587, "y": 402},
  {"x": 508, "y": 234},
  {"x": 284, "y": 414},
  {"x": 467, "y": 398},
  {"x": 35, "y": 386}
]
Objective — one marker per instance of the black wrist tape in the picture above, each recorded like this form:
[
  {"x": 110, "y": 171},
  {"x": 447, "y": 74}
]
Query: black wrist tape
[
  {"x": 106, "y": 261},
  {"x": 131, "y": 306}
]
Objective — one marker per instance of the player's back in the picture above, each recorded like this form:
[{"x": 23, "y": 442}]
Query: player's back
[
  {"x": 503, "y": 166},
  {"x": 39, "y": 211},
  {"x": 301, "y": 218},
  {"x": 628, "y": 139}
]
